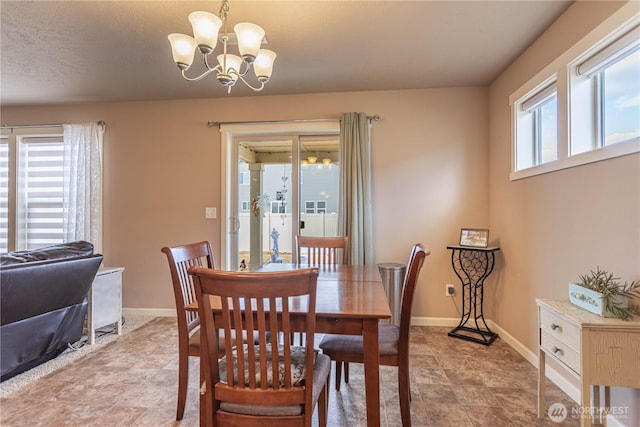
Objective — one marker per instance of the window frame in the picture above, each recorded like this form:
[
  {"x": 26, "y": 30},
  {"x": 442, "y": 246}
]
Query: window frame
[
  {"x": 529, "y": 141},
  {"x": 574, "y": 100}
]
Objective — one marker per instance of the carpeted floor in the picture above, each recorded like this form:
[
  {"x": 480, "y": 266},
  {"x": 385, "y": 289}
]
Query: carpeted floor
[{"x": 132, "y": 381}]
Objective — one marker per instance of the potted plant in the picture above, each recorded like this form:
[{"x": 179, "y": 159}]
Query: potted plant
[{"x": 601, "y": 293}]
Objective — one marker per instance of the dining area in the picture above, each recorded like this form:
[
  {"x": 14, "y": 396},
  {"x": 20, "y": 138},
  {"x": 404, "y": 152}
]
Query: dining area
[
  {"x": 344, "y": 306},
  {"x": 133, "y": 380}
]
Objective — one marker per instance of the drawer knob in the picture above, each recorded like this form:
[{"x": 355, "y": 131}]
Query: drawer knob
[
  {"x": 556, "y": 350},
  {"x": 554, "y": 326}
]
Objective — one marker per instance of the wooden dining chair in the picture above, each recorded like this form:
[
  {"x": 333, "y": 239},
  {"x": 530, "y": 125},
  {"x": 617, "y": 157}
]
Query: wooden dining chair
[
  {"x": 267, "y": 383},
  {"x": 393, "y": 340},
  {"x": 181, "y": 258},
  {"x": 322, "y": 250}
]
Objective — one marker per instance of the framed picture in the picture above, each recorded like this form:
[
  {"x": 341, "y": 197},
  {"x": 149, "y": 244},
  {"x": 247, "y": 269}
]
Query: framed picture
[{"x": 474, "y": 237}]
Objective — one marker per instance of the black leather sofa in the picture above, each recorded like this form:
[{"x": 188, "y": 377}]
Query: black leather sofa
[{"x": 43, "y": 303}]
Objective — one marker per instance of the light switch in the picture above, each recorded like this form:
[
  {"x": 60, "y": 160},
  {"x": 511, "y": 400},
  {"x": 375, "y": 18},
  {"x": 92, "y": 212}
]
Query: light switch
[{"x": 210, "y": 213}]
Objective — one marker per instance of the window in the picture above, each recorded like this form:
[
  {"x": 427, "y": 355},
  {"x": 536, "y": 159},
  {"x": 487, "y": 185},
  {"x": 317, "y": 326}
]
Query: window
[
  {"x": 309, "y": 207},
  {"x": 608, "y": 83},
  {"x": 315, "y": 206},
  {"x": 31, "y": 216},
  {"x": 538, "y": 128},
  {"x": 621, "y": 100},
  {"x": 39, "y": 197},
  {"x": 246, "y": 206},
  {"x": 4, "y": 195},
  {"x": 585, "y": 105},
  {"x": 278, "y": 207},
  {"x": 243, "y": 178}
]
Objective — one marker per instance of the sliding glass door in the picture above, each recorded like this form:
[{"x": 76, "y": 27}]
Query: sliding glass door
[
  {"x": 266, "y": 209},
  {"x": 278, "y": 186}
]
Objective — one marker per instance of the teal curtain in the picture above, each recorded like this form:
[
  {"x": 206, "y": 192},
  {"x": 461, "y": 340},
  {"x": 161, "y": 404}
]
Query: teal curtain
[{"x": 355, "y": 207}]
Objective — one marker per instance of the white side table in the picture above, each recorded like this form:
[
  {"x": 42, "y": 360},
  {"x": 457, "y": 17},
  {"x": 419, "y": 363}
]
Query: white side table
[
  {"x": 105, "y": 301},
  {"x": 600, "y": 351}
]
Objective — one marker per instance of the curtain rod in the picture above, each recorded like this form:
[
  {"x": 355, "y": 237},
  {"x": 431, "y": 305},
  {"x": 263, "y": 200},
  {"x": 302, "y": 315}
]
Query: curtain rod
[
  {"x": 212, "y": 123},
  {"x": 100, "y": 123}
]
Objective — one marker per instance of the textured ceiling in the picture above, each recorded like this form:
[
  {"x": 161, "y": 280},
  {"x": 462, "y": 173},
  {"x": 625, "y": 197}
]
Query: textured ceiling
[{"x": 94, "y": 51}]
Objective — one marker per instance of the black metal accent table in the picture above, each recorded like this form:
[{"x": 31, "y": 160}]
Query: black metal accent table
[{"x": 472, "y": 266}]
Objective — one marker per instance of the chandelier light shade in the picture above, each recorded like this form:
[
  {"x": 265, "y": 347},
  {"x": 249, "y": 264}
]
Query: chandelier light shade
[
  {"x": 229, "y": 68},
  {"x": 184, "y": 47},
  {"x": 228, "y": 63},
  {"x": 205, "y": 30},
  {"x": 263, "y": 65},
  {"x": 249, "y": 40}
]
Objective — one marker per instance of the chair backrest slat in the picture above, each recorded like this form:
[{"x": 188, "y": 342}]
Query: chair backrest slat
[
  {"x": 323, "y": 250},
  {"x": 256, "y": 304}
]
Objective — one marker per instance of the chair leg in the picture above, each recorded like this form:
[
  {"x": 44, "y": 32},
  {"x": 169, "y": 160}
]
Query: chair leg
[
  {"x": 183, "y": 378},
  {"x": 206, "y": 409},
  {"x": 404, "y": 392},
  {"x": 346, "y": 372},
  {"x": 338, "y": 374},
  {"x": 323, "y": 405}
]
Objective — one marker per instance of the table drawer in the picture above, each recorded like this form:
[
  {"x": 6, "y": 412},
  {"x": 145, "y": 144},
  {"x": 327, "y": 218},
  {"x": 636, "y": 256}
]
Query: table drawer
[
  {"x": 561, "y": 351},
  {"x": 560, "y": 328}
]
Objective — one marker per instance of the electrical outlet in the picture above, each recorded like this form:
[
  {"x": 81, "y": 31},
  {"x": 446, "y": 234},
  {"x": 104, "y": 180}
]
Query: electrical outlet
[{"x": 450, "y": 290}]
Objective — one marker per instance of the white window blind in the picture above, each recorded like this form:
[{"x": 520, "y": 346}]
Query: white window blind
[
  {"x": 540, "y": 97},
  {"x": 39, "y": 213},
  {"x": 4, "y": 195},
  {"x": 610, "y": 54}
]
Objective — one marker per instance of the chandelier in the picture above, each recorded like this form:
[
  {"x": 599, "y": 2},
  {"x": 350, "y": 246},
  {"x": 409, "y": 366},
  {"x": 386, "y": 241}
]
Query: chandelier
[{"x": 230, "y": 68}]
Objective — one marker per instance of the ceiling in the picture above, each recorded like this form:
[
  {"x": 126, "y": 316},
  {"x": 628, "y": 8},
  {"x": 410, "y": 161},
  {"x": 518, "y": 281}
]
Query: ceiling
[{"x": 95, "y": 51}]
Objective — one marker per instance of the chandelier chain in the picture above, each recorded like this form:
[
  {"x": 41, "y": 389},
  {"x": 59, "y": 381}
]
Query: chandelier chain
[{"x": 224, "y": 10}]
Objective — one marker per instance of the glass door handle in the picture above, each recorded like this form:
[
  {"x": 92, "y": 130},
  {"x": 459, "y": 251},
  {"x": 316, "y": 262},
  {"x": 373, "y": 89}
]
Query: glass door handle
[{"x": 235, "y": 224}]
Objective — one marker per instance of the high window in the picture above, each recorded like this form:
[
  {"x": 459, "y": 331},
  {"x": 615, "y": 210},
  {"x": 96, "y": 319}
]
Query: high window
[
  {"x": 585, "y": 105},
  {"x": 605, "y": 94},
  {"x": 538, "y": 128}
]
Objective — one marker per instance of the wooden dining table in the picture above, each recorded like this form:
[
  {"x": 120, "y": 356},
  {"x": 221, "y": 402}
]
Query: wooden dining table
[{"x": 350, "y": 300}]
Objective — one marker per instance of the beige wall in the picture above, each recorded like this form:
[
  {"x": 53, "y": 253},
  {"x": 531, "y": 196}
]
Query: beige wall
[
  {"x": 162, "y": 168},
  {"x": 556, "y": 226}
]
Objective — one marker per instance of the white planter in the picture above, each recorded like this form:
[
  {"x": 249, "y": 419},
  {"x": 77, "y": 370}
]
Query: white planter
[{"x": 592, "y": 300}]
